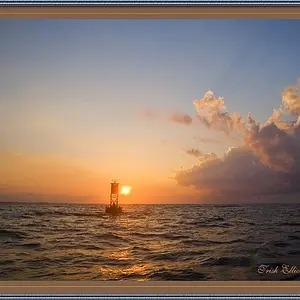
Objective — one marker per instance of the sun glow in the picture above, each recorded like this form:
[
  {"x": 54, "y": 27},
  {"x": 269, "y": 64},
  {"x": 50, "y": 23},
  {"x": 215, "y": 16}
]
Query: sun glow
[{"x": 125, "y": 190}]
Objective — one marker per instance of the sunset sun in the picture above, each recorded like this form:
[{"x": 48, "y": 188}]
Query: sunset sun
[{"x": 125, "y": 190}]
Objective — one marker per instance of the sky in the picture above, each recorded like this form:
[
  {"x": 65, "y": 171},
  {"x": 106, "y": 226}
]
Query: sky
[{"x": 83, "y": 102}]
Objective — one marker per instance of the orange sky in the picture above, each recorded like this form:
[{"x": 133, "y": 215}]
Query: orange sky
[{"x": 44, "y": 175}]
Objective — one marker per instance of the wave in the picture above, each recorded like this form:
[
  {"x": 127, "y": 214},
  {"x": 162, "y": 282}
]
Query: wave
[
  {"x": 176, "y": 256},
  {"x": 290, "y": 224},
  {"x": 221, "y": 225},
  {"x": 66, "y": 214},
  {"x": 294, "y": 237},
  {"x": 281, "y": 244},
  {"x": 158, "y": 235},
  {"x": 12, "y": 234},
  {"x": 31, "y": 245},
  {"x": 294, "y": 252},
  {"x": 238, "y": 261},
  {"x": 110, "y": 237},
  {"x": 212, "y": 242}
]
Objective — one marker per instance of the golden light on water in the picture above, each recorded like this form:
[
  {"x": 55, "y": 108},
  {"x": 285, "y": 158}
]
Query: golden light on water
[{"x": 125, "y": 190}]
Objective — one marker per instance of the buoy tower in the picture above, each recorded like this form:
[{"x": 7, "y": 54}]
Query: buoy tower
[{"x": 113, "y": 207}]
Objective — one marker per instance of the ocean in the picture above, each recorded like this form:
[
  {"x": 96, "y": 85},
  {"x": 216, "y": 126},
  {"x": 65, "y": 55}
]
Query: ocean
[{"x": 149, "y": 242}]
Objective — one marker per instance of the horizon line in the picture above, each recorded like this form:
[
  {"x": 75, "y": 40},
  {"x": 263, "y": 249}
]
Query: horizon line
[{"x": 127, "y": 204}]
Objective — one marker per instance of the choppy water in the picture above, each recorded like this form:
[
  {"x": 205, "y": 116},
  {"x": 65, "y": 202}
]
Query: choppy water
[{"x": 147, "y": 242}]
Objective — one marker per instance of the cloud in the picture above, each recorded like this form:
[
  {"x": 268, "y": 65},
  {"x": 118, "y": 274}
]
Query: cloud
[
  {"x": 291, "y": 99},
  {"x": 239, "y": 172},
  {"x": 194, "y": 152},
  {"x": 178, "y": 117},
  {"x": 212, "y": 113},
  {"x": 181, "y": 118},
  {"x": 266, "y": 163},
  {"x": 277, "y": 149}
]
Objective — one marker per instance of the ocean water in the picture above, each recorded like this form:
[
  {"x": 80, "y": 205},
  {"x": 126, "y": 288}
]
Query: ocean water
[{"x": 147, "y": 242}]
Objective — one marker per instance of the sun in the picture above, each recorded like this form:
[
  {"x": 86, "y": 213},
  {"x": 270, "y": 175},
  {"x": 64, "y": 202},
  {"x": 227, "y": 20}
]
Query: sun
[{"x": 125, "y": 190}]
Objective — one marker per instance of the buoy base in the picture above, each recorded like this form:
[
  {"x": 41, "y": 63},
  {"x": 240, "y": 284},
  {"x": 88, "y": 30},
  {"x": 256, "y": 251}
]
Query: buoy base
[{"x": 113, "y": 209}]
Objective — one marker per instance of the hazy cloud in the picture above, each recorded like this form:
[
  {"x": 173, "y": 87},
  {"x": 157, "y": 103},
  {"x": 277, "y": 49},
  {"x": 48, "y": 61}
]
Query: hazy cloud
[
  {"x": 181, "y": 118},
  {"x": 206, "y": 140},
  {"x": 178, "y": 117},
  {"x": 148, "y": 113},
  {"x": 194, "y": 152}
]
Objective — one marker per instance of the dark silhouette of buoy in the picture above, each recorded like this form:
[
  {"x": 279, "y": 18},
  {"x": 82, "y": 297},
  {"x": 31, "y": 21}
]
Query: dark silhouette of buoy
[{"x": 114, "y": 208}]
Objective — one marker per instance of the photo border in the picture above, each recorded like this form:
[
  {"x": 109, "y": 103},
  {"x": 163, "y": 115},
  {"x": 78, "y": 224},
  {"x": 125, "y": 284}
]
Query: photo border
[
  {"x": 160, "y": 3},
  {"x": 149, "y": 12},
  {"x": 150, "y": 297},
  {"x": 150, "y": 287}
]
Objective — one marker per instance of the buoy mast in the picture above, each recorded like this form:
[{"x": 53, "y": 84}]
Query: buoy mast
[{"x": 114, "y": 194}]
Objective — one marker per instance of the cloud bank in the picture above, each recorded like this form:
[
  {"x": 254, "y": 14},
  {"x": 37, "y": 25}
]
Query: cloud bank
[{"x": 266, "y": 163}]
